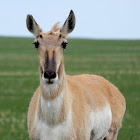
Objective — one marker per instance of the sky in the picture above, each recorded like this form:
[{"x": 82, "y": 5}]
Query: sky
[{"x": 96, "y": 19}]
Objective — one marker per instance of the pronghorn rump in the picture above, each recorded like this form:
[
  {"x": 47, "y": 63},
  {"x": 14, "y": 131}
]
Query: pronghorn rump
[{"x": 80, "y": 107}]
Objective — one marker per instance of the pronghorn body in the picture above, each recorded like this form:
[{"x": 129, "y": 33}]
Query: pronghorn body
[{"x": 83, "y": 107}]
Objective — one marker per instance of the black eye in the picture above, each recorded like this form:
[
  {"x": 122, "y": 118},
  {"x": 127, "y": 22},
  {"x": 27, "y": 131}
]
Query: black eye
[
  {"x": 36, "y": 44},
  {"x": 41, "y": 36},
  {"x": 64, "y": 44}
]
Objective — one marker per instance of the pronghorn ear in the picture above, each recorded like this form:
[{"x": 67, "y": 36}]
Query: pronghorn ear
[
  {"x": 68, "y": 25},
  {"x": 32, "y": 26}
]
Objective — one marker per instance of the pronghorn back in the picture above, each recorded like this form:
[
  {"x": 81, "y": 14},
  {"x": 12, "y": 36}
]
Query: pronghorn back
[{"x": 80, "y": 107}]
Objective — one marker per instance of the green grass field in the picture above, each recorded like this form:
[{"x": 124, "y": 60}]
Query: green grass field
[{"x": 117, "y": 61}]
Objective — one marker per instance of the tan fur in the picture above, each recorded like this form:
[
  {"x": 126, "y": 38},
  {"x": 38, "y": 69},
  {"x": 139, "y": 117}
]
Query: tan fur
[
  {"x": 31, "y": 113},
  {"x": 55, "y": 27},
  {"x": 82, "y": 94},
  {"x": 100, "y": 92}
]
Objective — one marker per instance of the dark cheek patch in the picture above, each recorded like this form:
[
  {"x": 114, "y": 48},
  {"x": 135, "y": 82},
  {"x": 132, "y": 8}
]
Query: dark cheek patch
[
  {"x": 64, "y": 44},
  {"x": 60, "y": 36},
  {"x": 36, "y": 44}
]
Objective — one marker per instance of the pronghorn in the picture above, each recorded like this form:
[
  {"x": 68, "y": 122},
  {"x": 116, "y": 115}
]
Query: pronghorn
[{"x": 80, "y": 107}]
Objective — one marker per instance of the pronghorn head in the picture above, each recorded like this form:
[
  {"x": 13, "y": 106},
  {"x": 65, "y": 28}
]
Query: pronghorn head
[{"x": 50, "y": 46}]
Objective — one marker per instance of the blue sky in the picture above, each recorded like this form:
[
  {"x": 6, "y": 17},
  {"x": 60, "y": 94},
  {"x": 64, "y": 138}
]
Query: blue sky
[{"x": 98, "y": 19}]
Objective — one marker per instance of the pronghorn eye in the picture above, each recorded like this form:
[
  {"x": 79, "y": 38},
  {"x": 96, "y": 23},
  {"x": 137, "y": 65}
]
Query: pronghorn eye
[
  {"x": 36, "y": 43},
  {"x": 64, "y": 44},
  {"x": 41, "y": 36}
]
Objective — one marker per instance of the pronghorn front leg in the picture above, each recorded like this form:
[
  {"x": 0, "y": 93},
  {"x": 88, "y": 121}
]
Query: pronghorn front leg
[
  {"x": 33, "y": 136},
  {"x": 112, "y": 135},
  {"x": 91, "y": 135}
]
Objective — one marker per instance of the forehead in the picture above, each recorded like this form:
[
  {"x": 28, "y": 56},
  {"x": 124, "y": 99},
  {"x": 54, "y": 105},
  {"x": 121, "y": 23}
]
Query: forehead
[{"x": 50, "y": 38}]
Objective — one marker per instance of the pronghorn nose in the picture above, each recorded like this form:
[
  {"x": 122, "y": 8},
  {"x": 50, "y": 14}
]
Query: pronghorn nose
[{"x": 49, "y": 74}]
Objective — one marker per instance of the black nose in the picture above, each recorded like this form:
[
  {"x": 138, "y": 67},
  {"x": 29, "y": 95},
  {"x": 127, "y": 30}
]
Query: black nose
[{"x": 49, "y": 74}]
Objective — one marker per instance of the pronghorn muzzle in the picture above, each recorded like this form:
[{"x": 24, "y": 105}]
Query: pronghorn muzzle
[
  {"x": 50, "y": 68},
  {"x": 49, "y": 75}
]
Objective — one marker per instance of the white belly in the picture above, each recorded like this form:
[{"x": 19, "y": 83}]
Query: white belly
[{"x": 101, "y": 122}]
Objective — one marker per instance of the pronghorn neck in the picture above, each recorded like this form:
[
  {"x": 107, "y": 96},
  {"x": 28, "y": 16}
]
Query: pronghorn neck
[{"x": 53, "y": 100}]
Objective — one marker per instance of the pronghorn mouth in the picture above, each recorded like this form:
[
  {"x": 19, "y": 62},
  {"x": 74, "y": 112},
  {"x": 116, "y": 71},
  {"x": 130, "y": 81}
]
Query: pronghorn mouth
[{"x": 50, "y": 82}]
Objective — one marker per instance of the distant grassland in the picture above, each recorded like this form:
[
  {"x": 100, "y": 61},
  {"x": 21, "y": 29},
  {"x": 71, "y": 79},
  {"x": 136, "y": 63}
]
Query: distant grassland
[{"x": 117, "y": 61}]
